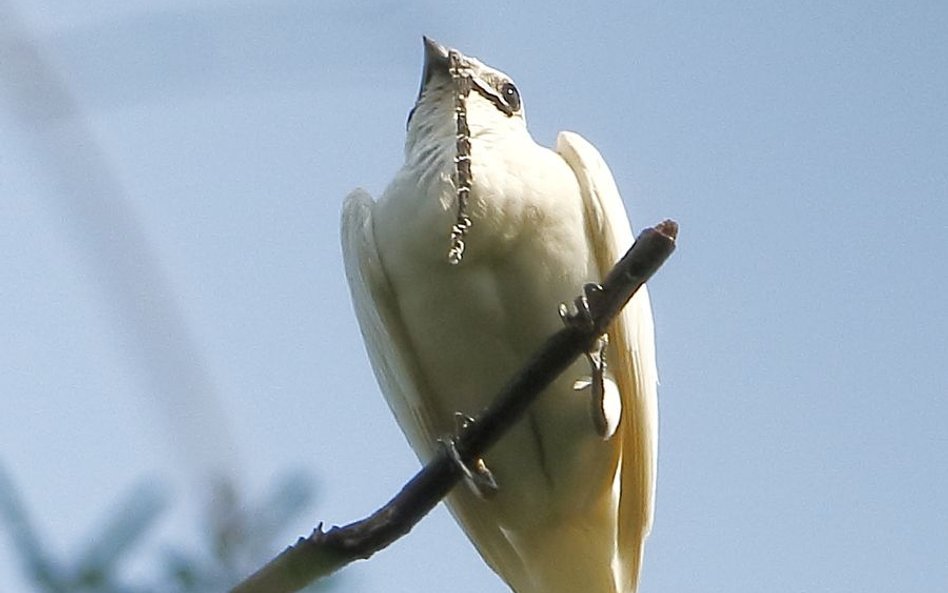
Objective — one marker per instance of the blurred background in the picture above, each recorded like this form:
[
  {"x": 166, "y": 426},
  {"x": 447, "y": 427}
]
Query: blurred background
[{"x": 184, "y": 385}]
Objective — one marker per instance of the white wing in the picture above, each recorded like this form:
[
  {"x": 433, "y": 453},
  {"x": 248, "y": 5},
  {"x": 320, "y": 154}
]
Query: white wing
[
  {"x": 632, "y": 352},
  {"x": 377, "y": 311},
  {"x": 400, "y": 377}
]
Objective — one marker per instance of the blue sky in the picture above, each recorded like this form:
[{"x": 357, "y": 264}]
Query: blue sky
[{"x": 169, "y": 228}]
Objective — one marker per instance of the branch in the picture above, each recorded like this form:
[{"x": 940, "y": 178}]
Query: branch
[{"x": 325, "y": 552}]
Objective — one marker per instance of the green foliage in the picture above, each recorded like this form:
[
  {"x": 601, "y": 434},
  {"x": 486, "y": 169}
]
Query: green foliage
[{"x": 239, "y": 539}]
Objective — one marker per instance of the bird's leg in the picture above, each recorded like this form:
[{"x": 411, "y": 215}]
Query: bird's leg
[
  {"x": 477, "y": 475},
  {"x": 605, "y": 403}
]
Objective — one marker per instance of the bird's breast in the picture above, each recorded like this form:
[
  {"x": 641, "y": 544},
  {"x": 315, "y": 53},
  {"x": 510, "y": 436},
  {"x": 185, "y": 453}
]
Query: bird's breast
[{"x": 473, "y": 325}]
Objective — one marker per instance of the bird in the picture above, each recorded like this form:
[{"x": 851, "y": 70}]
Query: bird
[{"x": 457, "y": 274}]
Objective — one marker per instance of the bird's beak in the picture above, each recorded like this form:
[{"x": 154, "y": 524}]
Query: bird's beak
[
  {"x": 436, "y": 63},
  {"x": 436, "y": 60}
]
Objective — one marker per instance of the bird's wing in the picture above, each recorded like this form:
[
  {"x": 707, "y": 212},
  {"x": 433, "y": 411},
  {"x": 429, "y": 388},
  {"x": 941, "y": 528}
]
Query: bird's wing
[
  {"x": 632, "y": 351},
  {"x": 377, "y": 310},
  {"x": 400, "y": 376}
]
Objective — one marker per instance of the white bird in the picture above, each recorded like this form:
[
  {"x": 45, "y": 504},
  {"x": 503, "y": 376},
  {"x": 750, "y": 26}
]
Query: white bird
[{"x": 573, "y": 506}]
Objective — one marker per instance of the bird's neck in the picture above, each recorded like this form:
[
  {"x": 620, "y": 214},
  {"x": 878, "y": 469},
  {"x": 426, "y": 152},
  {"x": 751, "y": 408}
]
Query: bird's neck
[{"x": 431, "y": 142}]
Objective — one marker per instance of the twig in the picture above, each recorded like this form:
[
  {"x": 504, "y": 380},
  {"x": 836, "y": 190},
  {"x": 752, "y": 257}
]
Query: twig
[{"x": 324, "y": 552}]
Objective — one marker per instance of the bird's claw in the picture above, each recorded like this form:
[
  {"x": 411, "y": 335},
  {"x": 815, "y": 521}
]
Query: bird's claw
[
  {"x": 597, "y": 358},
  {"x": 584, "y": 307},
  {"x": 583, "y": 316},
  {"x": 477, "y": 475},
  {"x": 604, "y": 419}
]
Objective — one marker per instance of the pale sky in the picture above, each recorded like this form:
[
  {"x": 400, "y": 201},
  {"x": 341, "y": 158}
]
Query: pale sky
[{"x": 170, "y": 229}]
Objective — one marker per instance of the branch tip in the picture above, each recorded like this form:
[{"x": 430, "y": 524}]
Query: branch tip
[{"x": 669, "y": 228}]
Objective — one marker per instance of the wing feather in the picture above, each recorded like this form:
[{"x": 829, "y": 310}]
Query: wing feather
[
  {"x": 632, "y": 352},
  {"x": 383, "y": 333},
  {"x": 400, "y": 377}
]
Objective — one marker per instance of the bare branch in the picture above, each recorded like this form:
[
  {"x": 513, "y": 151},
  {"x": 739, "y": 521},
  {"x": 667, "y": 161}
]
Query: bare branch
[{"x": 324, "y": 552}]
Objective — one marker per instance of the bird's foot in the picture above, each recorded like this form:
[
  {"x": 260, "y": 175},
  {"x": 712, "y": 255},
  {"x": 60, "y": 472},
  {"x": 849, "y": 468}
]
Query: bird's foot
[
  {"x": 477, "y": 475},
  {"x": 606, "y": 405},
  {"x": 583, "y": 306}
]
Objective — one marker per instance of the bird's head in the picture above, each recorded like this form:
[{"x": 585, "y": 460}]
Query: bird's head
[{"x": 494, "y": 107}]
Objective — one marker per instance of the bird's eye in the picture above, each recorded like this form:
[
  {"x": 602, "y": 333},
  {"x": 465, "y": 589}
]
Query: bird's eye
[{"x": 511, "y": 95}]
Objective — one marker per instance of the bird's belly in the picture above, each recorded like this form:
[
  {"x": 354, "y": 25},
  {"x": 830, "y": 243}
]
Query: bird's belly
[{"x": 474, "y": 325}]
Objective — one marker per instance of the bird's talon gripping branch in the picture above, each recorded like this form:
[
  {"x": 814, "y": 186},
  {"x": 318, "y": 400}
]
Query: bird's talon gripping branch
[
  {"x": 593, "y": 298},
  {"x": 604, "y": 411},
  {"x": 605, "y": 403},
  {"x": 578, "y": 316},
  {"x": 477, "y": 475},
  {"x": 584, "y": 307}
]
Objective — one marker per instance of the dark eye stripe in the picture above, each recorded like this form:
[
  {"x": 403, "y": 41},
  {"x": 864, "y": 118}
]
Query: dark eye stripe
[{"x": 495, "y": 96}]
